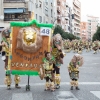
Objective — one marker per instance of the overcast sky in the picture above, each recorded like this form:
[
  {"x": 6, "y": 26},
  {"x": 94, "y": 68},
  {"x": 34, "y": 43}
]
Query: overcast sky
[{"x": 90, "y": 7}]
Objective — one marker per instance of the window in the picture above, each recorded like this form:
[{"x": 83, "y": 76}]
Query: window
[
  {"x": 52, "y": 21},
  {"x": 69, "y": 22},
  {"x": 69, "y": 15},
  {"x": 51, "y": 13},
  {"x": 46, "y": 0},
  {"x": 40, "y": 19},
  {"x": 89, "y": 20},
  {"x": 68, "y": 28},
  {"x": 40, "y": 4},
  {"x": 46, "y": 11},
  {"x": 36, "y": 16}
]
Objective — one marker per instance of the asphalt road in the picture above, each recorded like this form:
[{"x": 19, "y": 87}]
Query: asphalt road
[{"x": 89, "y": 83}]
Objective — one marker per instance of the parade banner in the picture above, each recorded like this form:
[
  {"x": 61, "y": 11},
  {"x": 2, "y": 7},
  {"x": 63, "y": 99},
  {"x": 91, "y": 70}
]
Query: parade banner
[{"x": 29, "y": 42}]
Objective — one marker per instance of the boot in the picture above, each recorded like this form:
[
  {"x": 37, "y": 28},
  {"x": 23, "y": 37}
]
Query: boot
[
  {"x": 71, "y": 88},
  {"x": 52, "y": 87},
  {"x": 8, "y": 87},
  {"x": 77, "y": 88},
  {"x": 16, "y": 86},
  {"x": 47, "y": 86},
  {"x": 57, "y": 81},
  {"x": 95, "y": 52},
  {"x": 57, "y": 86}
]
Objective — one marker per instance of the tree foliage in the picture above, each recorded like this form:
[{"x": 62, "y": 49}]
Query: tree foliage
[
  {"x": 96, "y": 36},
  {"x": 64, "y": 34}
]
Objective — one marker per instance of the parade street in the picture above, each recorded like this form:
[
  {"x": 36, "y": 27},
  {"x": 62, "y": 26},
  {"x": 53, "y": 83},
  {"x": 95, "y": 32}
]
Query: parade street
[{"x": 89, "y": 83}]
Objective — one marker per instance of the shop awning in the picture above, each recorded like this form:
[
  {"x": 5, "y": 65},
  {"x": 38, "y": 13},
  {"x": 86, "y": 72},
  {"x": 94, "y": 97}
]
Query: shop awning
[{"x": 14, "y": 10}]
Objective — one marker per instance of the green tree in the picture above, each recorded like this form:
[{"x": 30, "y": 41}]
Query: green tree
[
  {"x": 64, "y": 34},
  {"x": 96, "y": 36},
  {"x": 59, "y": 30}
]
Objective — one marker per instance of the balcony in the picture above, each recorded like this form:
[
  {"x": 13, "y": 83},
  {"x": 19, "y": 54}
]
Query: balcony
[
  {"x": 76, "y": 13},
  {"x": 14, "y": 19},
  {"x": 77, "y": 32},
  {"x": 17, "y": 16},
  {"x": 66, "y": 18},
  {"x": 58, "y": 10},
  {"x": 59, "y": 20},
  {"x": 15, "y": 5},
  {"x": 58, "y": 3},
  {"x": 77, "y": 4},
  {"x": 9, "y": 1}
]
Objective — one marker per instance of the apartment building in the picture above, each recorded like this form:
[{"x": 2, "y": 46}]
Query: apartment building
[
  {"x": 69, "y": 22},
  {"x": 84, "y": 34},
  {"x": 92, "y": 23},
  {"x": 19, "y": 10},
  {"x": 62, "y": 16},
  {"x": 75, "y": 6},
  {"x": 15, "y": 10},
  {"x": 44, "y": 10},
  {"x": 77, "y": 17}
]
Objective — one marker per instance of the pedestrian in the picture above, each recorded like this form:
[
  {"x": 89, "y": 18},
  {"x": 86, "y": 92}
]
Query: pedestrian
[{"x": 73, "y": 69}]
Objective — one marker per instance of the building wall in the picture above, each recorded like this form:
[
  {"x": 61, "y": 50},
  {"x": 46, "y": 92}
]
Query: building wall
[
  {"x": 12, "y": 4},
  {"x": 62, "y": 14},
  {"x": 92, "y": 23},
  {"x": 77, "y": 17},
  {"x": 84, "y": 35},
  {"x": 1, "y": 7},
  {"x": 44, "y": 10},
  {"x": 45, "y": 13},
  {"x": 69, "y": 28}
]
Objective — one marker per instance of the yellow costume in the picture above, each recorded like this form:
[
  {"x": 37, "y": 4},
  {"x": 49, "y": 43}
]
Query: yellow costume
[{"x": 5, "y": 55}]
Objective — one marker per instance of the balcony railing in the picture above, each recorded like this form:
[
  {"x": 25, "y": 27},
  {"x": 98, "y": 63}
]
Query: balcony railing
[
  {"x": 14, "y": 19},
  {"x": 7, "y": 1}
]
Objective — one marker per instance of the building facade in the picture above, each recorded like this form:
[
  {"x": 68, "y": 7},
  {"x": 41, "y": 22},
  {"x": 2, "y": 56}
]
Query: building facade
[
  {"x": 84, "y": 34},
  {"x": 45, "y": 11},
  {"x": 21, "y": 10},
  {"x": 75, "y": 5},
  {"x": 62, "y": 16},
  {"x": 92, "y": 23},
  {"x": 69, "y": 27},
  {"x": 77, "y": 17},
  {"x": 15, "y": 10}
]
